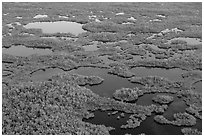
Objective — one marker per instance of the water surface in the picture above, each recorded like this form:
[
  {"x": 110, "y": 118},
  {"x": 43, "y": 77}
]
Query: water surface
[
  {"x": 148, "y": 126},
  {"x": 190, "y": 41},
  {"x": 110, "y": 83},
  {"x": 197, "y": 86},
  {"x": 106, "y": 60},
  {"x": 25, "y": 51},
  {"x": 42, "y": 75},
  {"x": 91, "y": 47},
  {"x": 107, "y": 119},
  {"x": 40, "y": 16},
  {"x": 58, "y": 26},
  {"x": 178, "y": 105},
  {"x": 171, "y": 74}
]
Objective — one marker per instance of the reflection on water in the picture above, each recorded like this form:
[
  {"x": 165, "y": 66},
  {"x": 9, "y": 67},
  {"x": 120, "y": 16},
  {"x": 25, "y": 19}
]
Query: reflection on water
[
  {"x": 25, "y": 51},
  {"x": 110, "y": 83},
  {"x": 190, "y": 41},
  {"x": 178, "y": 105},
  {"x": 108, "y": 87},
  {"x": 113, "y": 82},
  {"x": 171, "y": 74},
  {"x": 91, "y": 47},
  {"x": 106, "y": 60},
  {"x": 148, "y": 126},
  {"x": 197, "y": 86},
  {"x": 106, "y": 118},
  {"x": 58, "y": 26},
  {"x": 40, "y": 16},
  {"x": 42, "y": 75},
  {"x": 146, "y": 99}
]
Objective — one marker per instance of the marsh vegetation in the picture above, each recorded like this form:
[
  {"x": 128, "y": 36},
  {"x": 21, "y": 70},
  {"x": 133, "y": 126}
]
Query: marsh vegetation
[{"x": 101, "y": 68}]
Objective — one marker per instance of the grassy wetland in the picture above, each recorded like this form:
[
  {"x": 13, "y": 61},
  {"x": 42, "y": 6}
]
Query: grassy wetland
[{"x": 101, "y": 68}]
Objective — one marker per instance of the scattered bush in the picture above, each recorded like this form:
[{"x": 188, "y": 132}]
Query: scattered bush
[
  {"x": 163, "y": 99},
  {"x": 190, "y": 131},
  {"x": 126, "y": 94}
]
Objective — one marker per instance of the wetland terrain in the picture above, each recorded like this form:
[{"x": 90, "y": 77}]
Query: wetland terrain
[{"x": 97, "y": 68}]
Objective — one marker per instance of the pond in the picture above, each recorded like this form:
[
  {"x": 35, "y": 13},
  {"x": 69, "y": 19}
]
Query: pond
[
  {"x": 106, "y": 118},
  {"x": 107, "y": 88},
  {"x": 110, "y": 83},
  {"x": 148, "y": 126},
  {"x": 25, "y": 51},
  {"x": 58, "y": 26},
  {"x": 178, "y": 105}
]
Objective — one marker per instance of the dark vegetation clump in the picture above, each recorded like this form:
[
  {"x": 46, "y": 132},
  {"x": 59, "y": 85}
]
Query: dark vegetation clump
[
  {"x": 88, "y": 80},
  {"x": 126, "y": 94},
  {"x": 120, "y": 71},
  {"x": 24, "y": 112},
  {"x": 163, "y": 99},
  {"x": 181, "y": 119},
  {"x": 190, "y": 131}
]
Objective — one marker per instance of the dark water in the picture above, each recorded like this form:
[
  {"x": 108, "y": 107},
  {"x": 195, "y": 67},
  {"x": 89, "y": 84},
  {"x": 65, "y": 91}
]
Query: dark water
[
  {"x": 108, "y": 87},
  {"x": 25, "y": 51},
  {"x": 102, "y": 117},
  {"x": 58, "y": 26},
  {"x": 147, "y": 98},
  {"x": 148, "y": 126},
  {"x": 178, "y": 105},
  {"x": 110, "y": 83}
]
